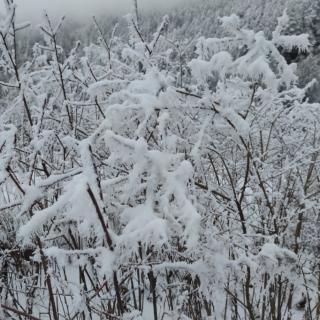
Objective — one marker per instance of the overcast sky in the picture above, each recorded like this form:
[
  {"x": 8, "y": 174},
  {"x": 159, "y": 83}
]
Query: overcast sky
[{"x": 32, "y": 9}]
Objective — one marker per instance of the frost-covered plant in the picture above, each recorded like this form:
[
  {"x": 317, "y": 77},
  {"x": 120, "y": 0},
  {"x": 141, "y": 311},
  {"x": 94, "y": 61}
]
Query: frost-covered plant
[{"x": 125, "y": 195}]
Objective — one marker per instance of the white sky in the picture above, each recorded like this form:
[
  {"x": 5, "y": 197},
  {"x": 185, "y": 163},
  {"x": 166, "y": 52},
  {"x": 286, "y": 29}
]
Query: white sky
[{"x": 32, "y": 9}]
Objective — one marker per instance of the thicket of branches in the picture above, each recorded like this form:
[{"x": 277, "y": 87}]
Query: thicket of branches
[{"x": 135, "y": 184}]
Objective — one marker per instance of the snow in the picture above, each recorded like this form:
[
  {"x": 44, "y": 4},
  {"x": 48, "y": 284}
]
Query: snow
[{"x": 157, "y": 174}]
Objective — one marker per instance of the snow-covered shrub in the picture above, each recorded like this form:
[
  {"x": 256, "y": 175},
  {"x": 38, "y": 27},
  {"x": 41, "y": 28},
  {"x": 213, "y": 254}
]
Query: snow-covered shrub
[{"x": 128, "y": 192}]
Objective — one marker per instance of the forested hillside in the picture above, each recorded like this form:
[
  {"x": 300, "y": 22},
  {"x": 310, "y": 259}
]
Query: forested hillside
[
  {"x": 195, "y": 18},
  {"x": 161, "y": 165}
]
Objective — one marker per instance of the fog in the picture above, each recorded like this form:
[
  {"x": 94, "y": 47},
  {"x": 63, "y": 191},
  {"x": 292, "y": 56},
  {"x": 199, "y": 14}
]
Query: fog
[{"x": 82, "y": 9}]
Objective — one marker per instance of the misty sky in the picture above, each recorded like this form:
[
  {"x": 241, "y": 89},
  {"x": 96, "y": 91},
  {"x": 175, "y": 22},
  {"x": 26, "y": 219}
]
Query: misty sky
[{"x": 32, "y": 9}]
